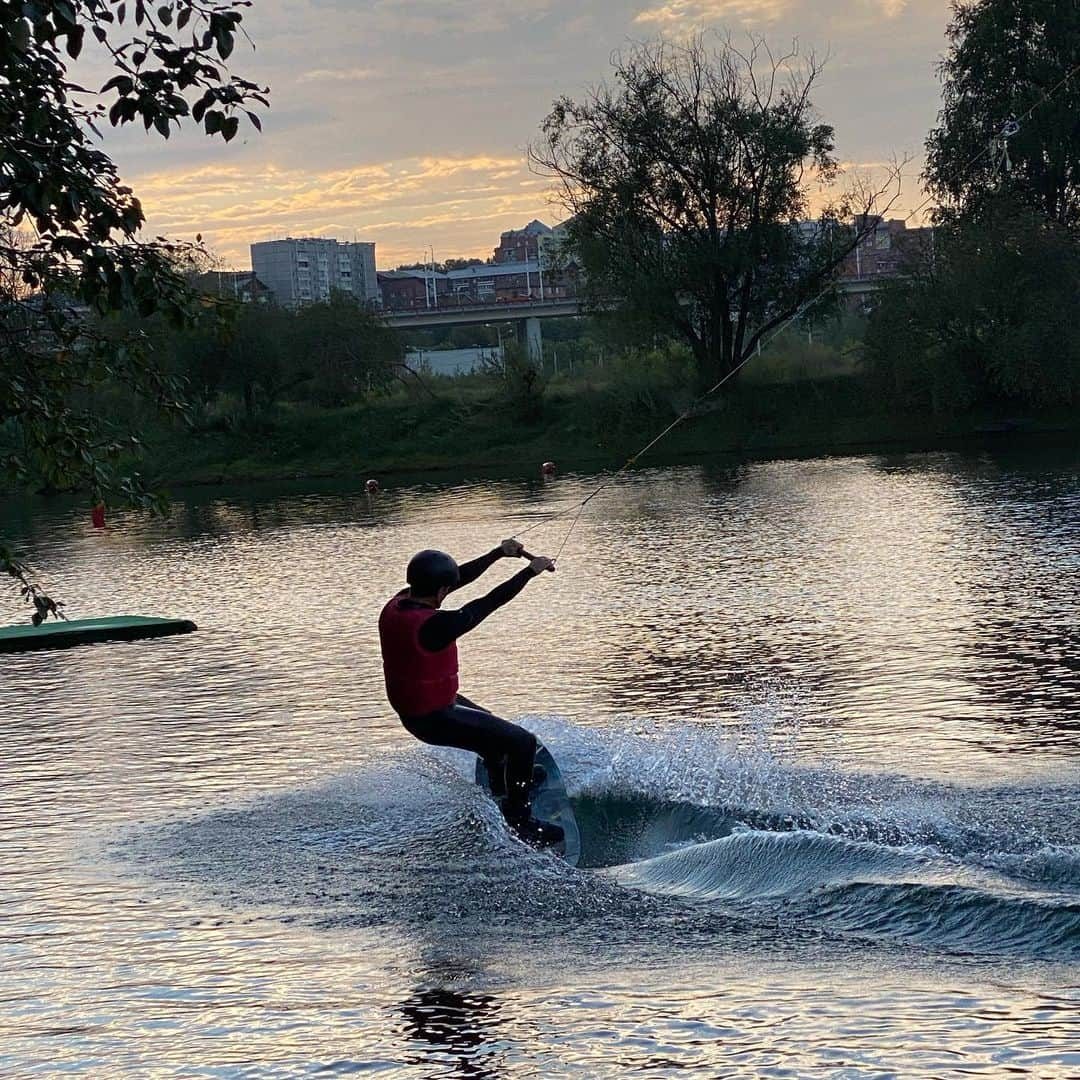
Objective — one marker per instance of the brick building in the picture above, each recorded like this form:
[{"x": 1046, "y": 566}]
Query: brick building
[
  {"x": 487, "y": 283},
  {"x": 884, "y": 251},
  {"x": 521, "y": 245},
  {"x": 240, "y": 285},
  {"x": 403, "y": 290}
]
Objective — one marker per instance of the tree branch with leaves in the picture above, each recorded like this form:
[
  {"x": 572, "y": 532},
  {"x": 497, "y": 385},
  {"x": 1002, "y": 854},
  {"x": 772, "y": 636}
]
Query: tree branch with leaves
[{"x": 72, "y": 263}]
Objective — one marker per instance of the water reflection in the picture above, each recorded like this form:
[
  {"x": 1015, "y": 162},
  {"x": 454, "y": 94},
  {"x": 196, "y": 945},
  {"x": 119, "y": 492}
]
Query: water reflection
[
  {"x": 458, "y": 1030},
  {"x": 879, "y": 594},
  {"x": 840, "y": 620}
]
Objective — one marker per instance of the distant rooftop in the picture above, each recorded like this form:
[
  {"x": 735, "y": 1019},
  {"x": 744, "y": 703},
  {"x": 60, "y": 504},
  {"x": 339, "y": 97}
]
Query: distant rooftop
[
  {"x": 493, "y": 269},
  {"x": 534, "y": 228},
  {"x": 308, "y": 240},
  {"x": 415, "y": 272}
]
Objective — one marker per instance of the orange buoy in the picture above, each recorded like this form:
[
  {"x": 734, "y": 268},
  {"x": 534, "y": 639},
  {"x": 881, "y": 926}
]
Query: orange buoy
[
  {"x": 548, "y": 468},
  {"x": 371, "y": 487},
  {"x": 97, "y": 516}
]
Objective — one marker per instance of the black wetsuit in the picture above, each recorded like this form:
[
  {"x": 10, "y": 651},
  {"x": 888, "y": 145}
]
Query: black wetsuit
[{"x": 508, "y": 750}]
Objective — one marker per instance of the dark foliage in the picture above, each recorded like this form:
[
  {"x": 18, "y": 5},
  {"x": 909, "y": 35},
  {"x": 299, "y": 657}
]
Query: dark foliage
[
  {"x": 72, "y": 266},
  {"x": 1010, "y": 60},
  {"x": 688, "y": 180}
]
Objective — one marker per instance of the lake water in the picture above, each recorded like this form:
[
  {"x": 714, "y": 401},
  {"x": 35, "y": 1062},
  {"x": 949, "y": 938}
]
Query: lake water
[{"x": 820, "y": 720}]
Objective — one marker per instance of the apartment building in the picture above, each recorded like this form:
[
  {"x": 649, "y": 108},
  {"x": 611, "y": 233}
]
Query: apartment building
[{"x": 307, "y": 269}]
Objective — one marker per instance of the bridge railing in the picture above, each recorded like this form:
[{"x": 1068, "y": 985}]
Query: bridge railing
[{"x": 494, "y": 307}]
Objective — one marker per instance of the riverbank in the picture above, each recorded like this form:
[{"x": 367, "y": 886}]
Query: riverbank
[{"x": 474, "y": 425}]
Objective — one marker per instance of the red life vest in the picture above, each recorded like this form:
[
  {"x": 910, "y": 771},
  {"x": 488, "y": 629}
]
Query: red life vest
[{"x": 417, "y": 681}]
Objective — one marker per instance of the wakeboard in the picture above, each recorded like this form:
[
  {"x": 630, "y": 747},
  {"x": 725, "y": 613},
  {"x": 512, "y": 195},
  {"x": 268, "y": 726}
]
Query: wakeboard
[
  {"x": 67, "y": 632},
  {"x": 550, "y": 803}
]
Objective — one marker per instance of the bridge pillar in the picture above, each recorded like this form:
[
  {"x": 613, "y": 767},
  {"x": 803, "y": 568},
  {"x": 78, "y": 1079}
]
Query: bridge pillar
[{"x": 528, "y": 334}]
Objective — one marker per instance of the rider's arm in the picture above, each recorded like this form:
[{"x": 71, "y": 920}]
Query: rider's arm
[
  {"x": 445, "y": 627},
  {"x": 471, "y": 570}
]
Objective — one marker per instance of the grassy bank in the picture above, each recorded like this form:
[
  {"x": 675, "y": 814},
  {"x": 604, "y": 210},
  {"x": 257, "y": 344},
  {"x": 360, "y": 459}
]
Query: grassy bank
[{"x": 583, "y": 422}]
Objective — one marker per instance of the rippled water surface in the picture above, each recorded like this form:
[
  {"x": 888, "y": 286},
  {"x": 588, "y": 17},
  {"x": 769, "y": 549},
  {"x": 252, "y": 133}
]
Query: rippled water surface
[{"x": 820, "y": 721}]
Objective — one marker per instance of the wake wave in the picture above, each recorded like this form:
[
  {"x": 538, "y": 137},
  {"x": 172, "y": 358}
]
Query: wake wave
[
  {"x": 958, "y": 918},
  {"x": 705, "y": 821},
  {"x": 868, "y": 889},
  {"x": 757, "y": 865},
  {"x": 682, "y": 831}
]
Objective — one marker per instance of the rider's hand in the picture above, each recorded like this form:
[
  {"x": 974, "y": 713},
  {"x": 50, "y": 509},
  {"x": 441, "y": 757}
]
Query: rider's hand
[
  {"x": 541, "y": 563},
  {"x": 512, "y": 548}
]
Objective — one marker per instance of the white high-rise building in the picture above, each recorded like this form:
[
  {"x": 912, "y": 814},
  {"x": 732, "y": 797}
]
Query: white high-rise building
[{"x": 305, "y": 270}]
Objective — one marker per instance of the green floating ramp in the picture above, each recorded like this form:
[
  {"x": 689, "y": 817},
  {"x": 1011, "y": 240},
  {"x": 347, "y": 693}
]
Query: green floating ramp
[{"x": 60, "y": 635}]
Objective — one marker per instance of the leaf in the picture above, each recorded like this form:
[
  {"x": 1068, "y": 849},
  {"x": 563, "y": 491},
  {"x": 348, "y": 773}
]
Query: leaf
[
  {"x": 20, "y": 36},
  {"x": 124, "y": 83},
  {"x": 255, "y": 120},
  {"x": 224, "y": 39},
  {"x": 75, "y": 42}
]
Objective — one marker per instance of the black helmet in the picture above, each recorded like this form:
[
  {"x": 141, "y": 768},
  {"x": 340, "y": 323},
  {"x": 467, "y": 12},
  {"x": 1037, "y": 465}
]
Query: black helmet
[{"x": 430, "y": 571}]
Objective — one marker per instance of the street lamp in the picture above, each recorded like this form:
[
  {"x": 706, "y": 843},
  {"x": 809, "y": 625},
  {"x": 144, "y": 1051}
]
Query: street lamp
[
  {"x": 498, "y": 331},
  {"x": 431, "y": 294}
]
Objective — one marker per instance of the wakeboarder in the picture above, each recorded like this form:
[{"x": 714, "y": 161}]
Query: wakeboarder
[{"x": 420, "y": 663}]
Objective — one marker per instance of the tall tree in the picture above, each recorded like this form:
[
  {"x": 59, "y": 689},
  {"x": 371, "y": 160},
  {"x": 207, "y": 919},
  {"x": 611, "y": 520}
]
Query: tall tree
[
  {"x": 70, "y": 253},
  {"x": 987, "y": 321},
  {"x": 1010, "y": 116},
  {"x": 688, "y": 181},
  {"x": 346, "y": 347}
]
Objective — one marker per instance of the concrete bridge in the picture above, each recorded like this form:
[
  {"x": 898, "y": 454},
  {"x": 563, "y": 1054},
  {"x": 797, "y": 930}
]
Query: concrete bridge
[{"x": 526, "y": 314}]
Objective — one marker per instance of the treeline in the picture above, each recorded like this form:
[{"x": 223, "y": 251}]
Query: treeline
[
  {"x": 329, "y": 354},
  {"x": 987, "y": 321},
  {"x": 987, "y": 317}
]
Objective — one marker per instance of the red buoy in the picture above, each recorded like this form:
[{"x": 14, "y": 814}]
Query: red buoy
[
  {"x": 548, "y": 468},
  {"x": 97, "y": 516},
  {"x": 371, "y": 487}
]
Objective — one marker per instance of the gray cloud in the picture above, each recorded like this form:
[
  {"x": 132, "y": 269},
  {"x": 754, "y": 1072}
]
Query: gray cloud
[{"x": 402, "y": 80}]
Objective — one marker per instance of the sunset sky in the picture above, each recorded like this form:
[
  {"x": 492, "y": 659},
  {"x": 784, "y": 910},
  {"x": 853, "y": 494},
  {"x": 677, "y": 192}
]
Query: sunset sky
[{"x": 405, "y": 122}]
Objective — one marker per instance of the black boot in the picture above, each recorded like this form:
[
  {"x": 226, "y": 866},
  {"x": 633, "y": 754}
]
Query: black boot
[
  {"x": 539, "y": 834},
  {"x": 496, "y": 770},
  {"x": 517, "y": 812}
]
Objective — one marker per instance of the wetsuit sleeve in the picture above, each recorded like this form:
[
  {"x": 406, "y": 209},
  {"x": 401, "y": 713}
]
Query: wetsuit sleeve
[
  {"x": 471, "y": 570},
  {"x": 445, "y": 627}
]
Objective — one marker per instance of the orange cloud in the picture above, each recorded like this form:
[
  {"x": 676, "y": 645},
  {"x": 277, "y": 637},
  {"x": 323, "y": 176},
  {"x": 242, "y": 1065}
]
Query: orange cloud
[
  {"x": 352, "y": 74},
  {"x": 459, "y": 205},
  {"x": 710, "y": 11}
]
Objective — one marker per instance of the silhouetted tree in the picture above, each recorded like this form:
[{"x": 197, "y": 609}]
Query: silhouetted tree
[
  {"x": 687, "y": 181},
  {"x": 1010, "y": 116}
]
